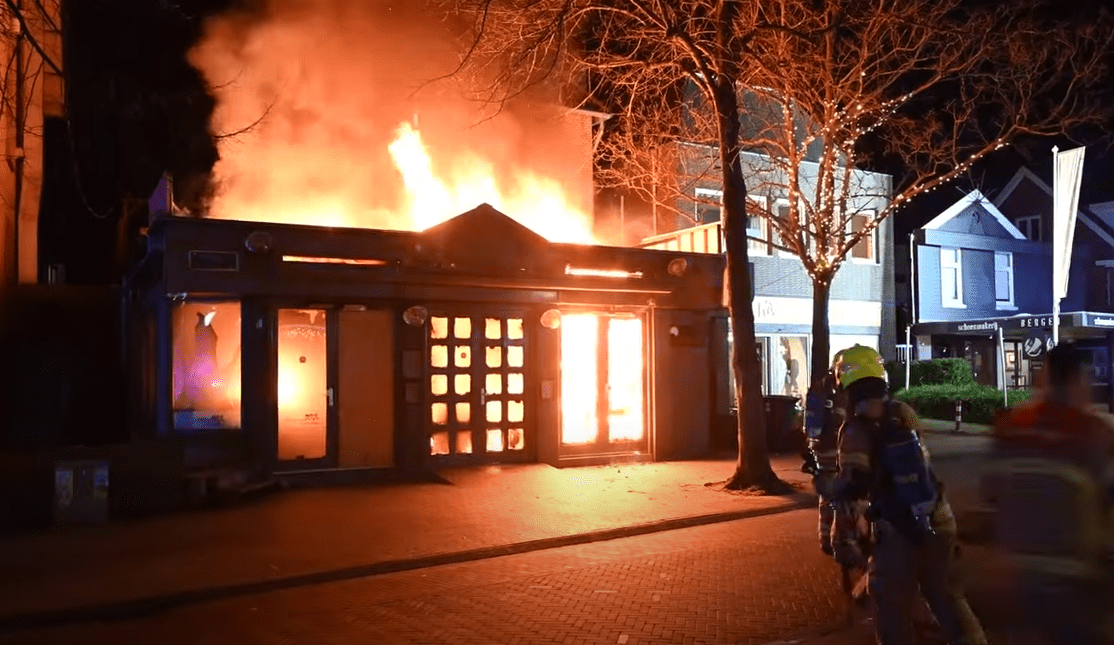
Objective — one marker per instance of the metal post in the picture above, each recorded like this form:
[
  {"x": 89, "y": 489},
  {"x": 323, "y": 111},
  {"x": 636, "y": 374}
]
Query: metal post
[
  {"x": 958, "y": 416},
  {"x": 1055, "y": 320},
  {"x": 908, "y": 353},
  {"x": 1002, "y": 366},
  {"x": 1055, "y": 269},
  {"x": 913, "y": 276}
]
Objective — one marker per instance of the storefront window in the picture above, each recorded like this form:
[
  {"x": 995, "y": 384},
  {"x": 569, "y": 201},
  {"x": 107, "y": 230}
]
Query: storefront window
[
  {"x": 789, "y": 366},
  {"x": 206, "y": 365}
]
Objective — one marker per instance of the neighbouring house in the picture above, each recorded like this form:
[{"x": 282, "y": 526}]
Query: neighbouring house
[
  {"x": 984, "y": 267},
  {"x": 862, "y": 293}
]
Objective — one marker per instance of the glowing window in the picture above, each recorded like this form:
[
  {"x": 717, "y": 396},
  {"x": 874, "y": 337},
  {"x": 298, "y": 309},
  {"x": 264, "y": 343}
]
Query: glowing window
[
  {"x": 515, "y": 356},
  {"x": 463, "y": 442},
  {"x": 463, "y": 413},
  {"x": 439, "y": 356},
  {"x": 493, "y": 384},
  {"x": 514, "y": 411},
  {"x": 462, "y": 384},
  {"x": 462, "y": 327},
  {"x": 515, "y": 384},
  {"x": 439, "y": 413},
  {"x": 514, "y": 328},
  {"x": 495, "y": 441},
  {"x": 439, "y": 443},
  {"x": 494, "y": 356},
  {"x": 439, "y": 384},
  {"x": 206, "y": 366},
  {"x": 438, "y": 327},
  {"x": 494, "y": 411},
  {"x": 492, "y": 329},
  {"x": 463, "y": 356}
]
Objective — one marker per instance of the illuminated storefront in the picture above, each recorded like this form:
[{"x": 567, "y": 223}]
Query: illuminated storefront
[{"x": 306, "y": 349}]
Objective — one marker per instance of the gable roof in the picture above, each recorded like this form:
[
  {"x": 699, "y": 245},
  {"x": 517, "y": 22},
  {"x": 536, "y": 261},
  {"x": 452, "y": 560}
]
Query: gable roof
[
  {"x": 1104, "y": 230},
  {"x": 968, "y": 200}
]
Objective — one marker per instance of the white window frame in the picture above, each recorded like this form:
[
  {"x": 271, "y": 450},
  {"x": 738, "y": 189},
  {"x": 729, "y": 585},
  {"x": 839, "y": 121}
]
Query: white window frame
[
  {"x": 1025, "y": 225},
  {"x": 761, "y": 233},
  {"x": 779, "y": 253},
  {"x": 869, "y": 214},
  {"x": 1004, "y": 304},
  {"x": 946, "y": 261},
  {"x": 703, "y": 195}
]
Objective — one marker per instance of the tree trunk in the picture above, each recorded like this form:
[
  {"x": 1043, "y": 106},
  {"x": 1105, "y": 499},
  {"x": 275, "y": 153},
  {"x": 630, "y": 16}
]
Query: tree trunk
[
  {"x": 821, "y": 332},
  {"x": 752, "y": 467}
]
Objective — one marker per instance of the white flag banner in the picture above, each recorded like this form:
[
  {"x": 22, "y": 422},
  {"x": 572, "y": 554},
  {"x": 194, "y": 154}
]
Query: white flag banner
[{"x": 1067, "y": 177}]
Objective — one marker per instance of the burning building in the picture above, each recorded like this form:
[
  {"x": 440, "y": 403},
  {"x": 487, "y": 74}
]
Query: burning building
[{"x": 291, "y": 349}]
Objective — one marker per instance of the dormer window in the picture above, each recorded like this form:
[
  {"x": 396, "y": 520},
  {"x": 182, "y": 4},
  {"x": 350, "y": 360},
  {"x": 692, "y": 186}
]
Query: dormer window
[{"x": 1030, "y": 227}]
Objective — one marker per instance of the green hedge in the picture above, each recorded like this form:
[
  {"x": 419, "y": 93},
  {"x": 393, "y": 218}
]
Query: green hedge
[
  {"x": 938, "y": 401},
  {"x": 938, "y": 371}
]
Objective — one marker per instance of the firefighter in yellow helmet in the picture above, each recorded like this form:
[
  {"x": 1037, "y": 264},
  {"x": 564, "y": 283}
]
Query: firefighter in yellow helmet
[
  {"x": 881, "y": 459},
  {"x": 1053, "y": 488}
]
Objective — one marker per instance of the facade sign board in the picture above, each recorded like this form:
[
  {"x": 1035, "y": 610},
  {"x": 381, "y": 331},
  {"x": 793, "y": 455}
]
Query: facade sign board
[{"x": 991, "y": 326}]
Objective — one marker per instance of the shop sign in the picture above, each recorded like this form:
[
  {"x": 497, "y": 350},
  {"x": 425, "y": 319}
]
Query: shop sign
[
  {"x": 1099, "y": 321},
  {"x": 1036, "y": 321},
  {"x": 1036, "y": 344},
  {"x": 978, "y": 326},
  {"x": 798, "y": 311}
]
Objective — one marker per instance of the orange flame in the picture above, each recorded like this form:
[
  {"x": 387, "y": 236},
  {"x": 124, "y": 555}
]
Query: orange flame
[{"x": 537, "y": 203}]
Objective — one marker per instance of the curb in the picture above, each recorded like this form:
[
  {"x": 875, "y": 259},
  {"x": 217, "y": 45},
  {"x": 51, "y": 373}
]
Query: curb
[{"x": 152, "y": 605}]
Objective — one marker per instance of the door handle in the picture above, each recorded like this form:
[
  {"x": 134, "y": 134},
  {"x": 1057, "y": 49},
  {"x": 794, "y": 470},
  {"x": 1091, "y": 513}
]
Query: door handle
[
  {"x": 483, "y": 397},
  {"x": 329, "y": 394}
]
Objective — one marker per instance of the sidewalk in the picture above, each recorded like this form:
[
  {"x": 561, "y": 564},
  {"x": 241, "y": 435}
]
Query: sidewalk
[
  {"x": 302, "y": 536},
  {"x": 339, "y": 532}
]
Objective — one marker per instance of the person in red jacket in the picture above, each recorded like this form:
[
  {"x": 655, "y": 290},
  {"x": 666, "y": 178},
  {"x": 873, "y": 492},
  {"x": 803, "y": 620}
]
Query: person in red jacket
[{"x": 1052, "y": 485}]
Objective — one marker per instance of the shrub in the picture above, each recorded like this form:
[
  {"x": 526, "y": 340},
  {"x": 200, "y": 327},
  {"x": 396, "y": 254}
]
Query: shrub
[
  {"x": 942, "y": 371},
  {"x": 980, "y": 402},
  {"x": 937, "y": 371},
  {"x": 895, "y": 372}
]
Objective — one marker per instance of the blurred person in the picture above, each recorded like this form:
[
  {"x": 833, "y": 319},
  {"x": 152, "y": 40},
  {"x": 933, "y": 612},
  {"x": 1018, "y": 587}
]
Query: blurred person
[
  {"x": 1052, "y": 483},
  {"x": 915, "y": 548}
]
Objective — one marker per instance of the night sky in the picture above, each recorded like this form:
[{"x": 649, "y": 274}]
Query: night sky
[{"x": 138, "y": 108}]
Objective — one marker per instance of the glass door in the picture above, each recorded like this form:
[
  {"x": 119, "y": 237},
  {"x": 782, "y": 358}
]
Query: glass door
[
  {"x": 477, "y": 387},
  {"x": 304, "y": 393},
  {"x": 603, "y": 397}
]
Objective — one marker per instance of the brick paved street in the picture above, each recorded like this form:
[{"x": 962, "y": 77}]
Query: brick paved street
[{"x": 749, "y": 581}]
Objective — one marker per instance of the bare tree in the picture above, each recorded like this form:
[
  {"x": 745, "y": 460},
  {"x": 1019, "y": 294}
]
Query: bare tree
[
  {"x": 792, "y": 96},
  {"x": 30, "y": 89},
  {"x": 644, "y": 48},
  {"x": 932, "y": 84}
]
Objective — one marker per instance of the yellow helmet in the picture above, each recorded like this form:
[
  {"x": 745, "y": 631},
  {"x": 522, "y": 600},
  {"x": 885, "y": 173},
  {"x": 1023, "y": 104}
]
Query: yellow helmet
[{"x": 858, "y": 362}]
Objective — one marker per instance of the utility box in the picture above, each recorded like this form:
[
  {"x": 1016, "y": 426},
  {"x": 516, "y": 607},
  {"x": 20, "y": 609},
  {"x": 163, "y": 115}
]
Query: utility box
[
  {"x": 80, "y": 492},
  {"x": 784, "y": 432}
]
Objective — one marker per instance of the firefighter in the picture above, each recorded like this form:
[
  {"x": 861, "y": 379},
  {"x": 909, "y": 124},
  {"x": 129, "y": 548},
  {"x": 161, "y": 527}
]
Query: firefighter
[
  {"x": 915, "y": 545},
  {"x": 824, "y": 416},
  {"x": 1053, "y": 487}
]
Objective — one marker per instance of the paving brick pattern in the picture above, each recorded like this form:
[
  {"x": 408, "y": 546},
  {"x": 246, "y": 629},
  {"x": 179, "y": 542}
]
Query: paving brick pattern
[
  {"x": 749, "y": 581},
  {"x": 306, "y": 531}
]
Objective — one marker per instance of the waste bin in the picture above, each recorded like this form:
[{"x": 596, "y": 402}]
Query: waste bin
[
  {"x": 80, "y": 492},
  {"x": 784, "y": 433}
]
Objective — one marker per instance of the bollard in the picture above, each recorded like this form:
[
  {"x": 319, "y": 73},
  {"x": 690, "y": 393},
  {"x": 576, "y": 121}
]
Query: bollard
[{"x": 958, "y": 416}]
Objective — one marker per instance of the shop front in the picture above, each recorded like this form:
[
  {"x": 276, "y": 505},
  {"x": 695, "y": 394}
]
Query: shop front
[
  {"x": 297, "y": 349},
  {"x": 1008, "y": 352}
]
